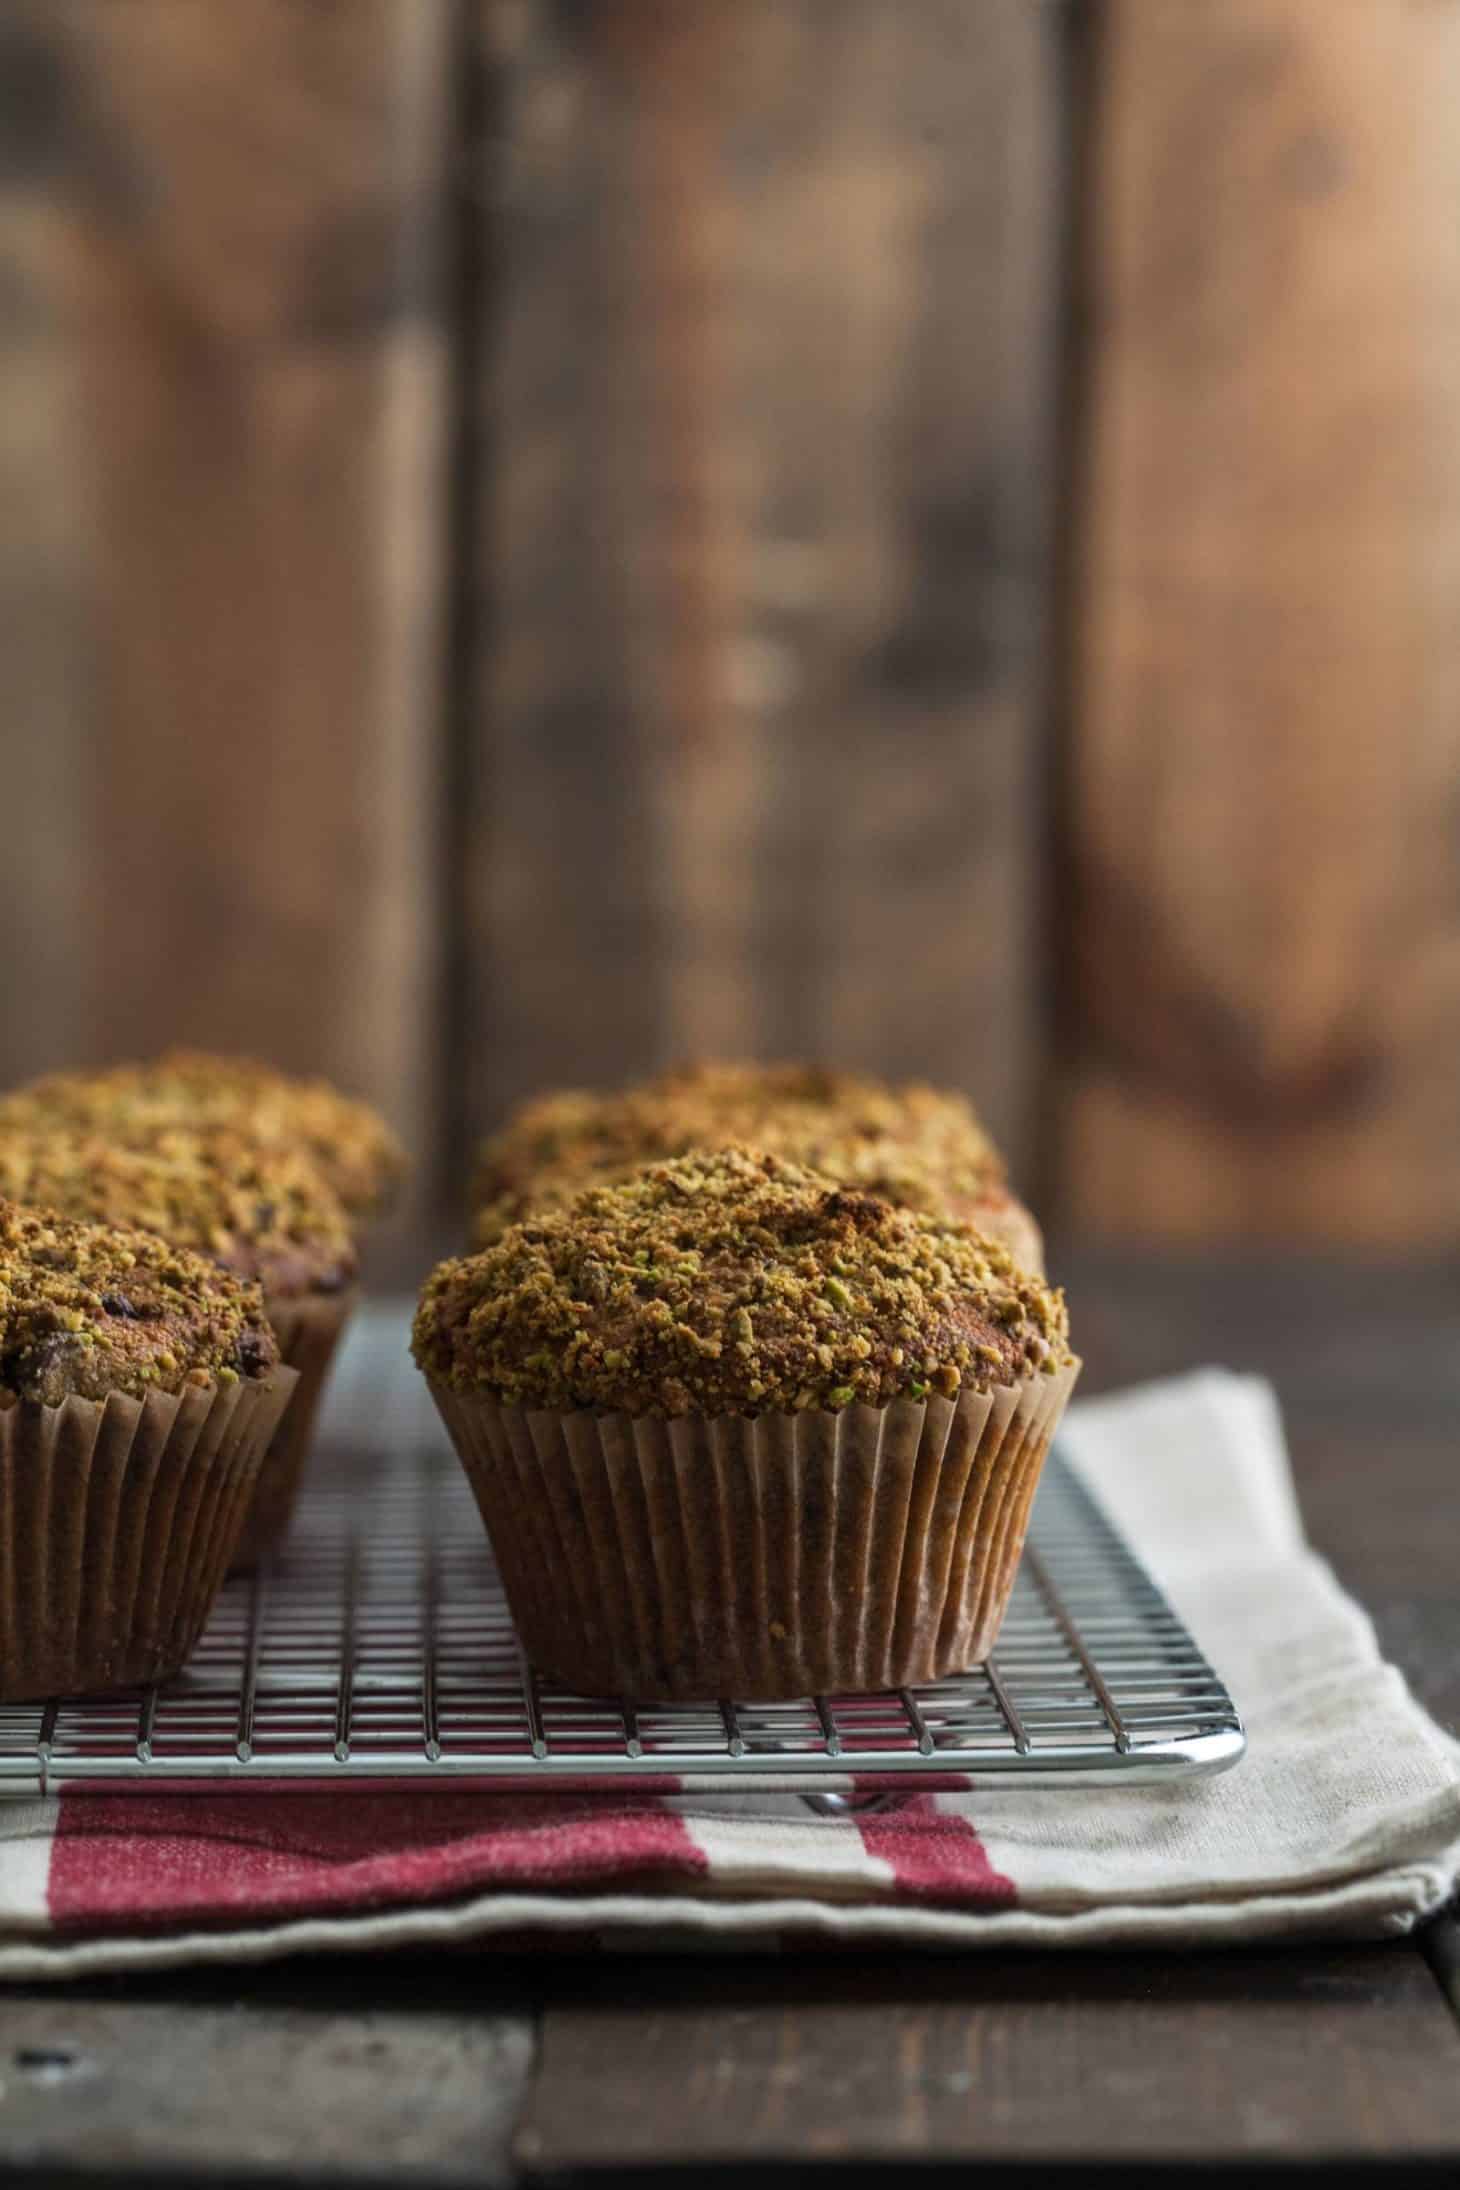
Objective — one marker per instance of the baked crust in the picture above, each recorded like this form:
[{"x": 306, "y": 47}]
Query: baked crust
[
  {"x": 349, "y": 1142},
  {"x": 919, "y": 1146},
  {"x": 90, "y": 1309},
  {"x": 734, "y": 1282},
  {"x": 262, "y": 1212}
]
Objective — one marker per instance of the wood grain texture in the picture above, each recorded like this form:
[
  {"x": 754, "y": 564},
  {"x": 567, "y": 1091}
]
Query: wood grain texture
[
  {"x": 307, "y": 2076},
  {"x": 44, "y": 608},
  {"x": 1265, "y": 745},
  {"x": 1364, "y": 1362},
  {"x": 239, "y": 250},
  {"x": 763, "y": 540},
  {"x": 1000, "y": 2060}
]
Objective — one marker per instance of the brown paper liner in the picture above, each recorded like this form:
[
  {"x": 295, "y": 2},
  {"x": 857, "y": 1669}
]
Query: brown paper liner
[
  {"x": 308, "y": 1330},
  {"x": 785, "y": 1555},
  {"x": 117, "y": 1520}
]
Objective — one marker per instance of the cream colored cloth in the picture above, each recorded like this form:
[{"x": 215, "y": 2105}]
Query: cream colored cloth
[{"x": 1342, "y": 1821}]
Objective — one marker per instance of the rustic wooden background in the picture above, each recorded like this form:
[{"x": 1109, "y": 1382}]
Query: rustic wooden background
[{"x": 537, "y": 538}]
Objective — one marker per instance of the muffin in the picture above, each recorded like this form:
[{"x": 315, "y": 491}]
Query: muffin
[
  {"x": 350, "y": 1144},
  {"x": 915, "y": 1145},
  {"x": 139, "y": 1388},
  {"x": 736, "y": 1429},
  {"x": 264, "y": 1213}
]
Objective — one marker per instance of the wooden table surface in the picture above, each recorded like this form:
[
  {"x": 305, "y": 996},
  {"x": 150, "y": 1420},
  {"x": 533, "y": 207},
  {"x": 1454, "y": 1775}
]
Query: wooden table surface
[{"x": 457, "y": 2069}]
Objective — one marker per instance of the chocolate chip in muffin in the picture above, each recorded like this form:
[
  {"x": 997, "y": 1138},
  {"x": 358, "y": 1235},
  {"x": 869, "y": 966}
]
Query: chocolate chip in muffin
[{"x": 252, "y": 1358}]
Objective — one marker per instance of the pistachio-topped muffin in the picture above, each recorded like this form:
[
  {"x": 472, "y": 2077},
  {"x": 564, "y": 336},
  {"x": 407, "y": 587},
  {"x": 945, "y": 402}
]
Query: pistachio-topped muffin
[
  {"x": 919, "y": 1146},
  {"x": 89, "y": 1309},
  {"x": 735, "y": 1428},
  {"x": 140, "y": 1385},
  {"x": 348, "y": 1141},
  {"x": 265, "y": 1213},
  {"x": 735, "y": 1283}
]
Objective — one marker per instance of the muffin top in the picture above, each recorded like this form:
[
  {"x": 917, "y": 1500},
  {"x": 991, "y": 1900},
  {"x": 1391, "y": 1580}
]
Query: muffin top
[
  {"x": 734, "y": 1282},
  {"x": 349, "y": 1142},
  {"x": 87, "y": 1309},
  {"x": 262, "y": 1212},
  {"x": 915, "y": 1145}
]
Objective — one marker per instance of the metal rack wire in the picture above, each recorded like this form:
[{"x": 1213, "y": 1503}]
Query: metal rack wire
[{"x": 378, "y": 1651}]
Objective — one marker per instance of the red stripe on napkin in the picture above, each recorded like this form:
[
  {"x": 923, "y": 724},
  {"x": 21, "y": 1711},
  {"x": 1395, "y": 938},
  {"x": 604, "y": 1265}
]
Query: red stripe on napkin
[
  {"x": 934, "y": 1855},
  {"x": 144, "y": 1860}
]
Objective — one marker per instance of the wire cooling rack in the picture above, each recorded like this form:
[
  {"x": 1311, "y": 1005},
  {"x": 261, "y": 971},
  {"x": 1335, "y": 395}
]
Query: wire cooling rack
[{"x": 378, "y": 1650}]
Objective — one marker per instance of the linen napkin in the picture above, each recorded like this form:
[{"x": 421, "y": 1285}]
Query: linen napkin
[{"x": 1342, "y": 1821}]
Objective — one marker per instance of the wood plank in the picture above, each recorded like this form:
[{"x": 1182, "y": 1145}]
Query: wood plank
[
  {"x": 763, "y": 544},
  {"x": 314, "y": 2073},
  {"x": 1265, "y": 736},
  {"x": 1007, "y": 2060},
  {"x": 239, "y": 241},
  {"x": 43, "y": 605},
  {"x": 1364, "y": 1362}
]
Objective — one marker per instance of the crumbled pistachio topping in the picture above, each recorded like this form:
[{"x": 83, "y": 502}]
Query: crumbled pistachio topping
[
  {"x": 349, "y": 1142},
  {"x": 734, "y": 1282},
  {"x": 263, "y": 1212},
  {"x": 88, "y": 1309},
  {"x": 919, "y": 1146}
]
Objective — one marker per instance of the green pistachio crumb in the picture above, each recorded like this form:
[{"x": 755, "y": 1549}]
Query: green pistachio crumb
[
  {"x": 87, "y": 1310},
  {"x": 778, "y": 1289}
]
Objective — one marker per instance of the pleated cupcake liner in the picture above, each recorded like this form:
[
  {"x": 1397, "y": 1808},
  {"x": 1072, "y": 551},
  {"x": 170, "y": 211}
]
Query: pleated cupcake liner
[
  {"x": 308, "y": 1330},
  {"x": 117, "y": 1522},
  {"x": 762, "y": 1557}
]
